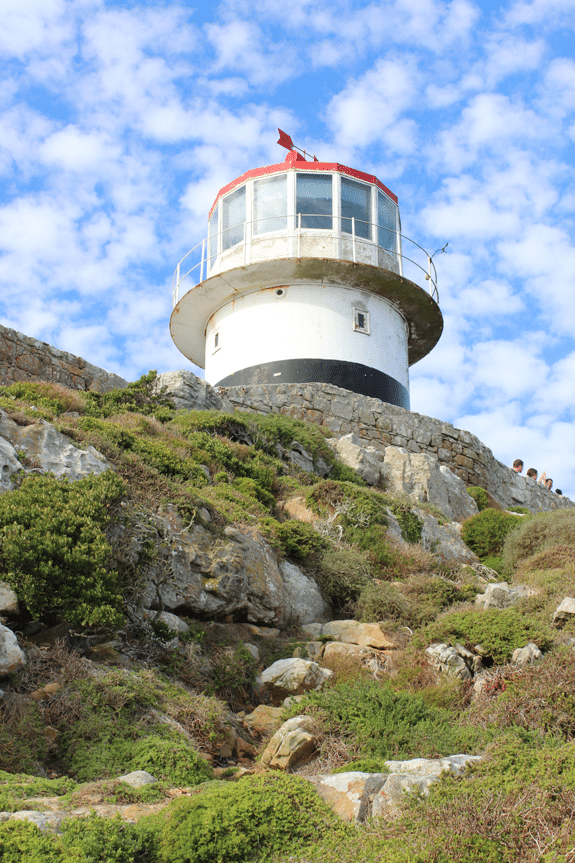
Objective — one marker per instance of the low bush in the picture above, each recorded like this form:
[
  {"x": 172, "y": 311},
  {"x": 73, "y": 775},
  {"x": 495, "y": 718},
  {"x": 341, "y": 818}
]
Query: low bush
[
  {"x": 297, "y": 539},
  {"x": 485, "y": 533},
  {"x": 384, "y": 723},
  {"x": 342, "y": 574},
  {"x": 538, "y": 534},
  {"x": 242, "y": 822},
  {"x": 499, "y": 631},
  {"x": 53, "y": 550}
]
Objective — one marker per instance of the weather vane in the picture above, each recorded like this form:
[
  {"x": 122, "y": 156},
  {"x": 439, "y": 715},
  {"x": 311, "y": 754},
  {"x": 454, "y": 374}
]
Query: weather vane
[{"x": 286, "y": 141}]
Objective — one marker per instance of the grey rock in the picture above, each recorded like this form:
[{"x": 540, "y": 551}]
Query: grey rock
[
  {"x": 500, "y": 595},
  {"x": 448, "y": 660},
  {"x": 51, "y": 451},
  {"x": 302, "y": 600},
  {"x": 421, "y": 478},
  {"x": 527, "y": 655},
  {"x": 138, "y": 778},
  {"x": 349, "y": 795},
  {"x": 366, "y": 460},
  {"x": 40, "y": 819},
  {"x": 294, "y": 677},
  {"x": 8, "y": 599},
  {"x": 252, "y": 650},
  {"x": 444, "y": 540},
  {"x": 190, "y": 393},
  {"x": 292, "y": 744},
  {"x": 11, "y": 654},
  {"x": 564, "y": 611}
]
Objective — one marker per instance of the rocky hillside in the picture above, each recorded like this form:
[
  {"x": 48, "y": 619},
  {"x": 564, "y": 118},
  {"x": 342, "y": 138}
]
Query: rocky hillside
[{"x": 250, "y": 639}]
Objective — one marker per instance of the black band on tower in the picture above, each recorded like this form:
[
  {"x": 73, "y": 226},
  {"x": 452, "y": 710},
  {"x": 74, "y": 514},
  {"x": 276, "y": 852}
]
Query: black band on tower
[{"x": 349, "y": 376}]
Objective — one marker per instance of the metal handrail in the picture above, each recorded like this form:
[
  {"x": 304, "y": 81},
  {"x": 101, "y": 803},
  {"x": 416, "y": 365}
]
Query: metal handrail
[{"x": 203, "y": 265}]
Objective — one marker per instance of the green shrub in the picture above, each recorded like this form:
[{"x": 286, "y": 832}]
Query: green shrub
[
  {"x": 383, "y": 723},
  {"x": 298, "y": 539},
  {"x": 104, "y": 840},
  {"x": 341, "y": 575},
  {"x": 480, "y": 497},
  {"x": 137, "y": 397},
  {"x": 539, "y": 533},
  {"x": 485, "y": 533},
  {"x": 494, "y": 561},
  {"x": 22, "y": 842},
  {"x": 499, "y": 631},
  {"x": 171, "y": 759},
  {"x": 246, "y": 821},
  {"x": 53, "y": 549}
]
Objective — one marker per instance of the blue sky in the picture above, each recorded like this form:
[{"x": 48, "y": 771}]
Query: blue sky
[{"x": 119, "y": 122}]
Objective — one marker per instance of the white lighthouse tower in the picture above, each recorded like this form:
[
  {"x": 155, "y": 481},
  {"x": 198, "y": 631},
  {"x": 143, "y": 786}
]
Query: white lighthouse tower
[{"x": 301, "y": 279}]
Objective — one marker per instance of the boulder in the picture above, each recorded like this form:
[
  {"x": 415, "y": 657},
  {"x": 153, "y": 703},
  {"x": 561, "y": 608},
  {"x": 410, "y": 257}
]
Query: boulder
[
  {"x": 9, "y": 465},
  {"x": 294, "y": 677},
  {"x": 313, "y": 630},
  {"x": 138, "y": 778},
  {"x": 264, "y": 720},
  {"x": 339, "y": 650},
  {"x": 366, "y": 460},
  {"x": 526, "y": 655},
  {"x": 349, "y": 795},
  {"x": 172, "y": 621},
  {"x": 190, "y": 393},
  {"x": 302, "y": 601},
  {"x": 420, "y": 477},
  {"x": 444, "y": 540},
  {"x": 363, "y": 634},
  {"x": 564, "y": 611},
  {"x": 500, "y": 595},
  {"x": 450, "y": 661},
  {"x": 211, "y": 577},
  {"x": 49, "y": 450},
  {"x": 11, "y": 654},
  {"x": 301, "y": 458},
  {"x": 8, "y": 599},
  {"x": 414, "y": 777},
  {"x": 292, "y": 744}
]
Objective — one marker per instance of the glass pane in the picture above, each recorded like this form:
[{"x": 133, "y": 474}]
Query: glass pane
[
  {"x": 233, "y": 218},
  {"x": 314, "y": 199},
  {"x": 386, "y": 219},
  {"x": 213, "y": 234},
  {"x": 355, "y": 202},
  {"x": 270, "y": 204}
]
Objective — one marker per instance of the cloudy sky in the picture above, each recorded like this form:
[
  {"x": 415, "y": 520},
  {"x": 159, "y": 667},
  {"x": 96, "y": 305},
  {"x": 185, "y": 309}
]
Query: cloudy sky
[{"x": 119, "y": 122}]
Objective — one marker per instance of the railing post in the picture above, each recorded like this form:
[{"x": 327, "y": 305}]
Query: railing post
[
  {"x": 353, "y": 237},
  {"x": 245, "y": 235},
  {"x": 177, "y": 291},
  {"x": 299, "y": 236},
  {"x": 202, "y": 260}
]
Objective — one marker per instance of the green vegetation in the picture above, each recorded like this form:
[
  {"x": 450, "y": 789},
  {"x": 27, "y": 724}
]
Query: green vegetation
[
  {"x": 166, "y": 709},
  {"x": 53, "y": 550},
  {"x": 499, "y": 631},
  {"x": 485, "y": 533},
  {"x": 479, "y": 495},
  {"x": 384, "y": 723}
]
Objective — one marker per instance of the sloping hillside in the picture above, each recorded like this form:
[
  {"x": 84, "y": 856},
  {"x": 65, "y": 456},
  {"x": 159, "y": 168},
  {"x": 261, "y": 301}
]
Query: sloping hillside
[{"x": 218, "y": 600}]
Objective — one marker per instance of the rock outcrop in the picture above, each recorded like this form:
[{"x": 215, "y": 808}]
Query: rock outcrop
[
  {"x": 11, "y": 654},
  {"x": 294, "y": 677},
  {"x": 42, "y": 450}
]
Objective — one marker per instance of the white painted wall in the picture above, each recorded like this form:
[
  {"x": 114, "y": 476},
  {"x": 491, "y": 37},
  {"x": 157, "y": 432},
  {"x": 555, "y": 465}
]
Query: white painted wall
[{"x": 307, "y": 321}]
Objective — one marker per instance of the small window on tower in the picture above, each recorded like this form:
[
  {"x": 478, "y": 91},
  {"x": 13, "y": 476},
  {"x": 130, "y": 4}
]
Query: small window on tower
[
  {"x": 216, "y": 341},
  {"x": 361, "y": 321}
]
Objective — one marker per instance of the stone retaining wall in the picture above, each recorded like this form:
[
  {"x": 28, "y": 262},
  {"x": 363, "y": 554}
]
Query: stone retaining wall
[
  {"x": 381, "y": 424},
  {"x": 25, "y": 359}
]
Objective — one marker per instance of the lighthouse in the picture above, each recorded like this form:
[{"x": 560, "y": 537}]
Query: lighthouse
[{"x": 304, "y": 276}]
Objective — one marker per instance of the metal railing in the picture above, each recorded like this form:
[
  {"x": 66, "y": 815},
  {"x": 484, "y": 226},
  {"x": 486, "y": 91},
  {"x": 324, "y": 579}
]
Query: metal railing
[{"x": 208, "y": 257}]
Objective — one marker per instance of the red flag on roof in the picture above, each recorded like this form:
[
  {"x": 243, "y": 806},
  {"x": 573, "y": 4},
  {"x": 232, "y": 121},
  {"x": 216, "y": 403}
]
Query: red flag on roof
[{"x": 285, "y": 140}]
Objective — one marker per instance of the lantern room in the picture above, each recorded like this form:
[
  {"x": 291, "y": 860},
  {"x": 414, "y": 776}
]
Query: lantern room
[{"x": 301, "y": 279}]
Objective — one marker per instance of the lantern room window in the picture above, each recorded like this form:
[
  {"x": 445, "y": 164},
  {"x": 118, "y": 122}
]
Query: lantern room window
[
  {"x": 270, "y": 204},
  {"x": 386, "y": 220},
  {"x": 355, "y": 203},
  {"x": 233, "y": 218},
  {"x": 314, "y": 200}
]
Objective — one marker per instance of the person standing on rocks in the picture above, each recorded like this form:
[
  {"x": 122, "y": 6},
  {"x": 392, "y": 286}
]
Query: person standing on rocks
[
  {"x": 532, "y": 473},
  {"x": 518, "y": 465}
]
